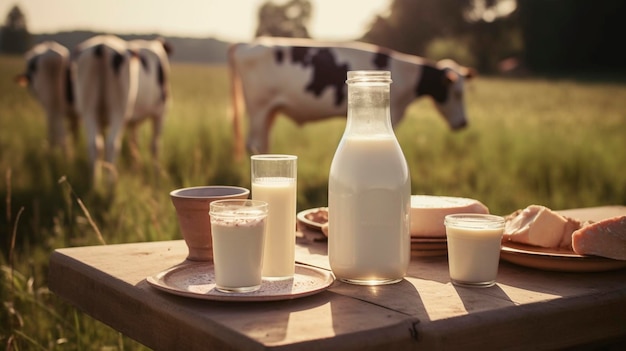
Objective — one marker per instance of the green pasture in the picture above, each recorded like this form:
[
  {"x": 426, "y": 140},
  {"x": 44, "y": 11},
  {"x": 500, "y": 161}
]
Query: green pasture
[{"x": 555, "y": 142}]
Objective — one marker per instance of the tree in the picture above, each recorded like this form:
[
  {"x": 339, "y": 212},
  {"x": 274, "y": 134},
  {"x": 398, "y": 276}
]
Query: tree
[
  {"x": 412, "y": 24},
  {"x": 288, "y": 20},
  {"x": 567, "y": 35},
  {"x": 14, "y": 35},
  {"x": 471, "y": 31},
  {"x": 493, "y": 32}
]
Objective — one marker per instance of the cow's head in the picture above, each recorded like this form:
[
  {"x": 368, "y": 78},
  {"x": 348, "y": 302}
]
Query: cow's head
[
  {"x": 25, "y": 79},
  {"x": 22, "y": 80},
  {"x": 445, "y": 82}
]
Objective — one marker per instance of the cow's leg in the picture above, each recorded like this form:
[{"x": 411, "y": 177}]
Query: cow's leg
[
  {"x": 70, "y": 121},
  {"x": 271, "y": 117},
  {"x": 155, "y": 144},
  {"x": 94, "y": 145},
  {"x": 258, "y": 137},
  {"x": 56, "y": 131},
  {"x": 133, "y": 145},
  {"x": 74, "y": 125},
  {"x": 113, "y": 145}
]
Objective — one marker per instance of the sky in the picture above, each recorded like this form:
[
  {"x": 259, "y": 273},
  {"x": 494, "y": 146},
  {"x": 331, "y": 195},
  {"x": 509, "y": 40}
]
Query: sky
[{"x": 228, "y": 20}]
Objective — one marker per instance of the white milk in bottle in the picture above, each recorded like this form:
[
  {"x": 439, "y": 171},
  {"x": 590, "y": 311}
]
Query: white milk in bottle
[{"x": 369, "y": 190}]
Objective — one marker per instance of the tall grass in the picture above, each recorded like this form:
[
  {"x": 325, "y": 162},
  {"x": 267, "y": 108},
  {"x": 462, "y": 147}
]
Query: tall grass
[{"x": 559, "y": 143}]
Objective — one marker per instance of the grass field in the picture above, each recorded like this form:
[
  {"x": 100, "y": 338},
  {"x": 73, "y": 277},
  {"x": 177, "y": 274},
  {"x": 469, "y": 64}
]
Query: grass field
[{"x": 559, "y": 143}]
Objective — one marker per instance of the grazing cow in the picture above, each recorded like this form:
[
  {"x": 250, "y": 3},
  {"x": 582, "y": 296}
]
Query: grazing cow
[
  {"x": 305, "y": 80},
  {"x": 153, "y": 89},
  {"x": 48, "y": 78},
  {"x": 118, "y": 85}
]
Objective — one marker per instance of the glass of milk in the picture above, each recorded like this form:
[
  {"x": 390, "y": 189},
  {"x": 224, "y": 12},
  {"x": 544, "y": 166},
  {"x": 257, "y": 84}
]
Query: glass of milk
[
  {"x": 274, "y": 180},
  {"x": 473, "y": 248},
  {"x": 238, "y": 228}
]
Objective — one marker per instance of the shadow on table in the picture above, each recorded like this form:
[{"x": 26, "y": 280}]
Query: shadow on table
[
  {"x": 483, "y": 299},
  {"x": 432, "y": 275},
  {"x": 392, "y": 296},
  {"x": 385, "y": 311}
]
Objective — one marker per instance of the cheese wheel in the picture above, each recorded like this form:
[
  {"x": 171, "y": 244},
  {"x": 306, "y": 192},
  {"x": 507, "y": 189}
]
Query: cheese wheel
[{"x": 428, "y": 213}]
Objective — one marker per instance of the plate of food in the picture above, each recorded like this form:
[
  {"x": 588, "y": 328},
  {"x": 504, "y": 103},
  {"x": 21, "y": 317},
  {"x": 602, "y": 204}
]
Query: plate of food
[
  {"x": 580, "y": 240},
  {"x": 314, "y": 218},
  {"x": 556, "y": 259}
]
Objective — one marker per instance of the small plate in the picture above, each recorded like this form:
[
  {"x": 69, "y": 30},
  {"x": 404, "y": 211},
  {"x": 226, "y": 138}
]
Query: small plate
[
  {"x": 561, "y": 260},
  {"x": 302, "y": 217},
  {"x": 420, "y": 246},
  {"x": 197, "y": 280}
]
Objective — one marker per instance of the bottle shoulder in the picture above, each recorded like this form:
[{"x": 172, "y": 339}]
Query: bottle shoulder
[
  {"x": 368, "y": 145},
  {"x": 363, "y": 159}
]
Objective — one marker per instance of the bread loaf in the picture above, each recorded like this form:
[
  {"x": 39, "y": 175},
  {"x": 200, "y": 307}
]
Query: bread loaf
[
  {"x": 540, "y": 226},
  {"x": 606, "y": 238}
]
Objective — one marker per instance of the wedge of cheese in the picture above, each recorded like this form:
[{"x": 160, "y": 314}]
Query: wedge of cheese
[
  {"x": 606, "y": 238},
  {"x": 540, "y": 226},
  {"x": 428, "y": 213}
]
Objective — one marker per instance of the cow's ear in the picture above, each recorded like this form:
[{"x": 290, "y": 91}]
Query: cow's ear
[
  {"x": 470, "y": 73},
  {"x": 133, "y": 52},
  {"x": 449, "y": 76},
  {"x": 167, "y": 46},
  {"x": 22, "y": 80}
]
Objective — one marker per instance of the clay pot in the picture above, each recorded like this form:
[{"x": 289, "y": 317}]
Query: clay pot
[{"x": 192, "y": 210}]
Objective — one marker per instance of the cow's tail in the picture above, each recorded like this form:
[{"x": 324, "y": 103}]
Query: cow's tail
[{"x": 237, "y": 105}]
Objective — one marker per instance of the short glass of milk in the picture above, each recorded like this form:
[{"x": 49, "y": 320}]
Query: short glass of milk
[
  {"x": 474, "y": 242},
  {"x": 238, "y": 228}
]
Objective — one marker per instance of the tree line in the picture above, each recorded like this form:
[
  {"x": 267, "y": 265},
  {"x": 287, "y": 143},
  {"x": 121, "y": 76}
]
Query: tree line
[
  {"x": 541, "y": 35},
  {"x": 538, "y": 35}
]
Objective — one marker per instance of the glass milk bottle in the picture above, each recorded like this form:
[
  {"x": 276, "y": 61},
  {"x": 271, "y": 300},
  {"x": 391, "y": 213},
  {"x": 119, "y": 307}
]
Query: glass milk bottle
[{"x": 369, "y": 189}]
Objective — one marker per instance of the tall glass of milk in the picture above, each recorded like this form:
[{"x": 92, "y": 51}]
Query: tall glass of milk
[
  {"x": 369, "y": 189},
  {"x": 474, "y": 242},
  {"x": 274, "y": 180}
]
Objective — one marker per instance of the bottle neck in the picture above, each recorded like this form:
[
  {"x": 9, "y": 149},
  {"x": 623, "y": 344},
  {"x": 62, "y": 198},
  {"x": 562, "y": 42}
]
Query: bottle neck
[{"x": 368, "y": 108}]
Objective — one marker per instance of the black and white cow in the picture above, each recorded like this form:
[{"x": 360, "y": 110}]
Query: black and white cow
[
  {"x": 305, "y": 80},
  {"x": 118, "y": 85},
  {"x": 47, "y": 76}
]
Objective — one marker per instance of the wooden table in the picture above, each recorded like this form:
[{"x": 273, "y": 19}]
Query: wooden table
[{"x": 527, "y": 309}]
